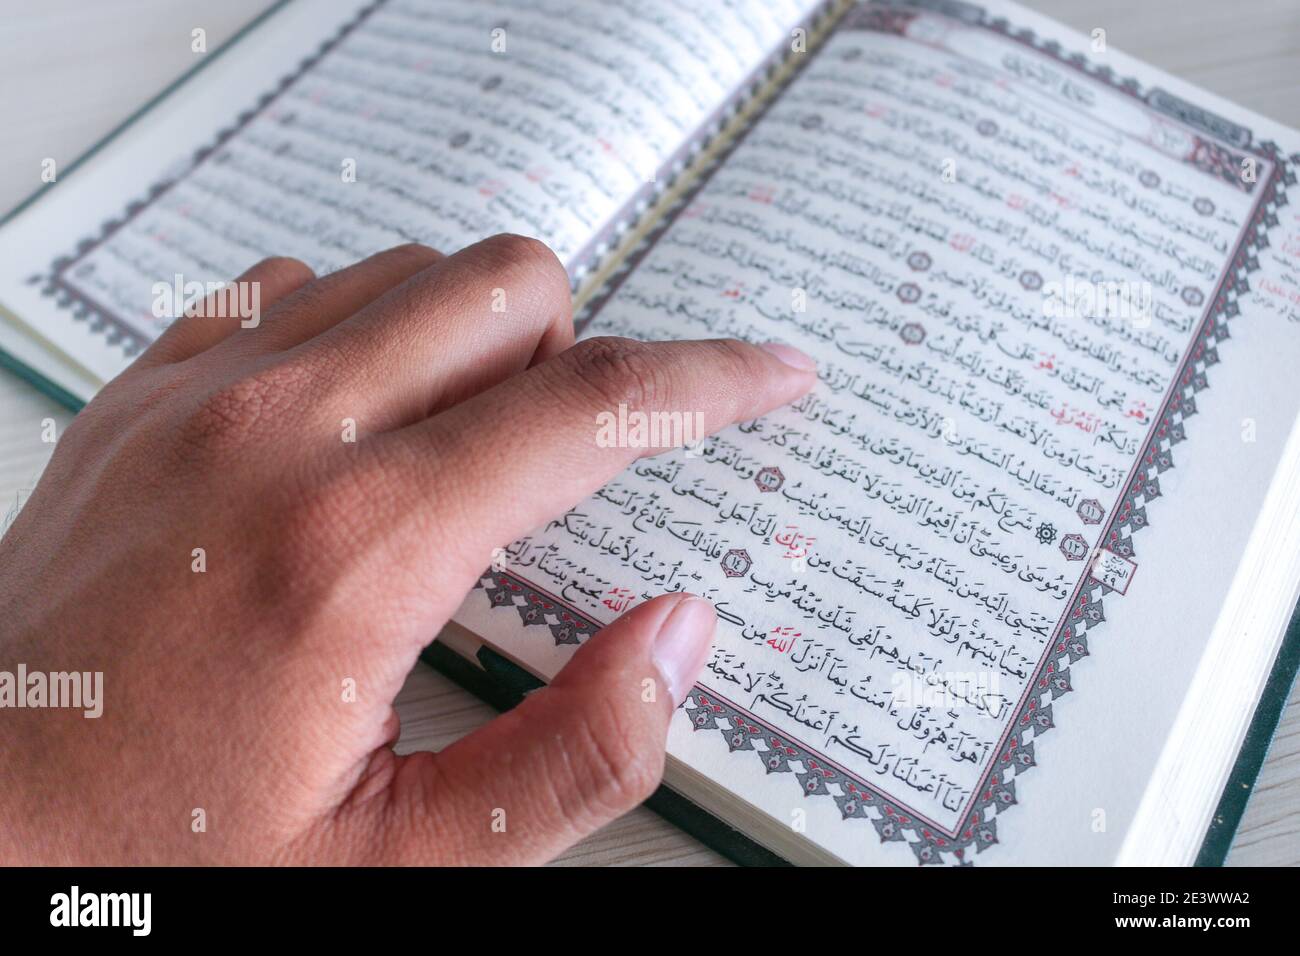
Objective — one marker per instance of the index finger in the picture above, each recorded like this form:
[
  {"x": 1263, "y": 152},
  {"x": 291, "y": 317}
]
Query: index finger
[{"x": 513, "y": 457}]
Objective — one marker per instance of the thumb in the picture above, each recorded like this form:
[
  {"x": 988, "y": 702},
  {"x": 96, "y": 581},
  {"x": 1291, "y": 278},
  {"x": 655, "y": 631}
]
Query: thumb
[{"x": 568, "y": 760}]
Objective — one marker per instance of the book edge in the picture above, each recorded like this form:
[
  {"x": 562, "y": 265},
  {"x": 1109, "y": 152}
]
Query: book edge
[
  {"x": 42, "y": 383},
  {"x": 1254, "y": 750}
]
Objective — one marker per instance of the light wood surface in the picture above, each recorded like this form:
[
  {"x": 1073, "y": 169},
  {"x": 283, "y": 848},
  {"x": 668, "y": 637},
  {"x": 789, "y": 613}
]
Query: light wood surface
[{"x": 71, "y": 70}]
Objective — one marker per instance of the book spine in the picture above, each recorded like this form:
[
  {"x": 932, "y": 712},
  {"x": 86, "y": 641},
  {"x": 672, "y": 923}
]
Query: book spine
[{"x": 597, "y": 269}]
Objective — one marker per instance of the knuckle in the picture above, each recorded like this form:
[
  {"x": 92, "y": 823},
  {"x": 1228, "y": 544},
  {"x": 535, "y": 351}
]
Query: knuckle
[
  {"x": 395, "y": 266},
  {"x": 526, "y": 262},
  {"x": 511, "y": 248},
  {"x": 225, "y": 416},
  {"x": 238, "y": 412},
  {"x": 620, "y": 371},
  {"x": 610, "y": 773},
  {"x": 412, "y": 254},
  {"x": 306, "y": 300},
  {"x": 283, "y": 270}
]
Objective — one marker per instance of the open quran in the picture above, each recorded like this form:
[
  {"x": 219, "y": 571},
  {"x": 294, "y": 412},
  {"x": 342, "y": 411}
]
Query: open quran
[{"x": 1012, "y": 584}]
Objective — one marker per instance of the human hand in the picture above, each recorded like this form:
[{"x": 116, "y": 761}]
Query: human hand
[{"x": 325, "y": 560}]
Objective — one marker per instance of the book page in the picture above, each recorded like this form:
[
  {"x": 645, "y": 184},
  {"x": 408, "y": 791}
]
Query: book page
[
  {"x": 1027, "y": 267},
  {"x": 426, "y": 121}
]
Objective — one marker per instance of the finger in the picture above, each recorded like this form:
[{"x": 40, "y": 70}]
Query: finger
[
  {"x": 318, "y": 306},
  {"x": 561, "y": 419},
  {"x": 222, "y": 313},
  {"x": 450, "y": 331},
  {"x": 565, "y": 762}
]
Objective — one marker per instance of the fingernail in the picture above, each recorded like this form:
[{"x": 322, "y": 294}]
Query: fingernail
[
  {"x": 682, "y": 644},
  {"x": 790, "y": 355}
]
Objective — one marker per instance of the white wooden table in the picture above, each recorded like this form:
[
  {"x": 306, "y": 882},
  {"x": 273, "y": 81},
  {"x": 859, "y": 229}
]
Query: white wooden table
[{"x": 71, "y": 70}]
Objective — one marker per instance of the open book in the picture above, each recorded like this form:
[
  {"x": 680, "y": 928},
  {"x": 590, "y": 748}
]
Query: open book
[{"x": 1009, "y": 585}]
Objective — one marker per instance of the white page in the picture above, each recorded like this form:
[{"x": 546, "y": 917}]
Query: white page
[
  {"x": 406, "y": 120},
  {"x": 910, "y": 564}
]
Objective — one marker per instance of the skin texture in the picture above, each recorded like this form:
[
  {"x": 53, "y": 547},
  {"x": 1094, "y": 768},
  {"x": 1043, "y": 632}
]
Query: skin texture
[{"x": 330, "y": 561}]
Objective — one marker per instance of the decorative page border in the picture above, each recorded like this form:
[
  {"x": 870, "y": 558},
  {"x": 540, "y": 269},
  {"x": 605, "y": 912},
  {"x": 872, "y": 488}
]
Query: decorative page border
[
  {"x": 104, "y": 321},
  {"x": 1110, "y": 565},
  {"x": 118, "y": 332}
]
